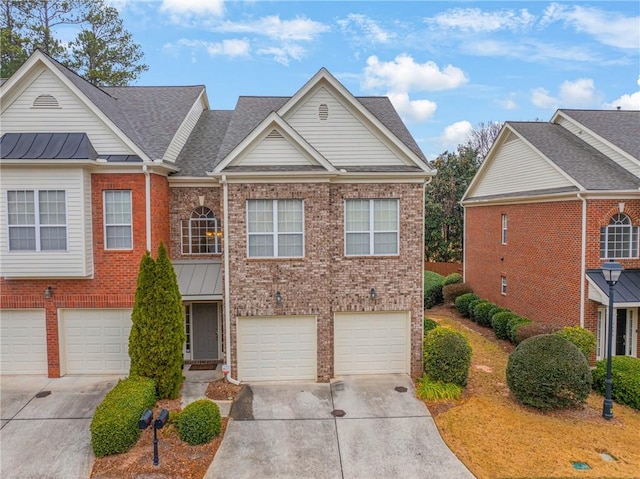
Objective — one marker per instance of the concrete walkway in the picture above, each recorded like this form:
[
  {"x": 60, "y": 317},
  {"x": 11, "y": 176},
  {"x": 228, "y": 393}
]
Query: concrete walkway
[
  {"x": 195, "y": 386},
  {"x": 294, "y": 430}
]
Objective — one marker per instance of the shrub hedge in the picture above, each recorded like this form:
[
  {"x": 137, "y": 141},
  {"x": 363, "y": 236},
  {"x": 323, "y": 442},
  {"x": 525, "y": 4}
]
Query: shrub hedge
[
  {"x": 433, "y": 296},
  {"x": 584, "y": 339},
  {"x": 481, "y": 313},
  {"x": 429, "y": 324},
  {"x": 452, "y": 278},
  {"x": 625, "y": 379},
  {"x": 199, "y": 422},
  {"x": 500, "y": 323},
  {"x": 548, "y": 372},
  {"x": 527, "y": 331},
  {"x": 114, "y": 427},
  {"x": 513, "y": 325},
  {"x": 447, "y": 356},
  {"x": 462, "y": 303},
  {"x": 472, "y": 307},
  {"x": 450, "y": 292}
]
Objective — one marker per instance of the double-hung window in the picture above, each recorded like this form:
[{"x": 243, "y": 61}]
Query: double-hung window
[
  {"x": 117, "y": 219},
  {"x": 37, "y": 220},
  {"x": 619, "y": 239},
  {"x": 275, "y": 228},
  {"x": 371, "y": 227},
  {"x": 503, "y": 239}
]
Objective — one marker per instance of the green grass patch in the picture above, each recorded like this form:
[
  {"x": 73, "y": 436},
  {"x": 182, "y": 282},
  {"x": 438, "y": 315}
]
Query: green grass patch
[{"x": 437, "y": 390}]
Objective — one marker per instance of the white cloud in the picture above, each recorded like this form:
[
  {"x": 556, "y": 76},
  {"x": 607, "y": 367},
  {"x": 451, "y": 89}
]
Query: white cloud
[
  {"x": 629, "y": 101},
  {"x": 541, "y": 98},
  {"x": 608, "y": 28},
  {"x": 298, "y": 29},
  {"x": 369, "y": 30},
  {"x": 509, "y": 103},
  {"x": 283, "y": 54},
  {"x": 476, "y": 20},
  {"x": 456, "y": 134},
  {"x": 580, "y": 93},
  {"x": 189, "y": 8},
  {"x": 229, "y": 48},
  {"x": 403, "y": 74},
  {"x": 412, "y": 110}
]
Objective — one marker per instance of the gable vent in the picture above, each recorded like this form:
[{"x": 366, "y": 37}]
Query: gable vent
[
  {"x": 46, "y": 101},
  {"x": 323, "y": 111},
  {"x": 275, "y": 134}
]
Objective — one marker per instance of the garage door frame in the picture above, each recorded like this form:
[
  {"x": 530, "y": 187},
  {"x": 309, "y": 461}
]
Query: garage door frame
[
  {"x": 340, "y": 370},
  {"x": 43, "y": 359}
]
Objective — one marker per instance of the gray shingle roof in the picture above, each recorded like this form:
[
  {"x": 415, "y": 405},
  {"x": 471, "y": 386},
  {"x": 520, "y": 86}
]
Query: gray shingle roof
[
  {"x": 199, "y": 154},
  {"x": 627, "y": 289},
  {"x": 586, "y": 165}
]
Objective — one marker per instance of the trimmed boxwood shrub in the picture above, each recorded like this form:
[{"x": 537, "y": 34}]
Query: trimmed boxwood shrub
[
  {"x": 199, "y": 422},
  {"x": 472, "y": 307},
  {"x": 463, "y": 301},
  {"x": 452, "y": 278},
  {"x": 450, "y": 292},
  {"x": 429, "y": 324},
  {"x": 482, "y": 312},
  {"x": 513, "y": 325},
  {"x": 447, "y": 356},
  {"x": 584, "y": 339},
  {"x": 527, "y": 331},
  {"x": 500, "y": 323},
  {"x": 433, "y": 296},
  {"x": 114, "y": 427},
  {"x": 548, "y": 372},
  {"x": 625, "y": 379}
]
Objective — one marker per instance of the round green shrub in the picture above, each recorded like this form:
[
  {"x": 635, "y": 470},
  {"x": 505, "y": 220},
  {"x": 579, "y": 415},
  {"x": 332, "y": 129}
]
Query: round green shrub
[
  {"x": 482, "y": 313},
  {"x": 584, "y": 339},
  {"x": 513, "y": 325},
  {"x": 548, "y": 372},
  {"x": 625, "y": 379},
  {"x": 500, "y": 323},
  {"x": 496, "y": 310},
  {"x": 472, "y": 308},
  {"x": 433, "y": 296},
  {"x": 450, "y": 292},
  {"x": 527, "y": 331},
  {"x": 429, "y": 324},
  {"x": 447, "y": 356},
  {"x": 462, "y": 303},
  {"x": 199, "y": 422},
  {"x": 452, "y": 278}
]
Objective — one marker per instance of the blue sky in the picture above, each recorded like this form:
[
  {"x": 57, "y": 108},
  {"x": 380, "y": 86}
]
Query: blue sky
[{"x": 447, "y": 66}]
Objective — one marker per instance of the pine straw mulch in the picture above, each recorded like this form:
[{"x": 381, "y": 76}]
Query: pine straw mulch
[
  {"x": 178, "y": 460},
  {"x": 498, "y": 438}
]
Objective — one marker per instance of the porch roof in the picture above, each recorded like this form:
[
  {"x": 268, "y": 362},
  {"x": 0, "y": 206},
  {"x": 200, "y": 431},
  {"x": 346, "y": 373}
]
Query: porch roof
[
  {"x": 627, "y": 289},
  {"x": 199, "y": 280}
]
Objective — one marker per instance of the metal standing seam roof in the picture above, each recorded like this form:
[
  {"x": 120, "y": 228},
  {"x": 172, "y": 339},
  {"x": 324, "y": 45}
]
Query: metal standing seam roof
[
  {"x": 47, "y": 146},
  {"x": 627, "y": 289},
  {"x": 199, "y": 279}
]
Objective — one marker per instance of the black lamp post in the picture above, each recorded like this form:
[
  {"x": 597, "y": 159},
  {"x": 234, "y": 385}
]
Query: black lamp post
[{"x": 611, "y": 272}]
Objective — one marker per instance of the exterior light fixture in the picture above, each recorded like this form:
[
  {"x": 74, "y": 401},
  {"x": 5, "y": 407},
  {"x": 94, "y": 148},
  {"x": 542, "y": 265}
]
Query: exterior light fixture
[
  {"x": 147, "y": 420},
  {"x": 48, "y": 292},
  {"x": 278, "y": 297},
  {"x": 373, "y": 294},
  {"x": 611, "y": 272}
]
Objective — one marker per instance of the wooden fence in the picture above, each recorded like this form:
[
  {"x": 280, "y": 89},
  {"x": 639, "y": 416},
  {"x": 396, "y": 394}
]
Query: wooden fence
[{"x": 443, "y": 268}]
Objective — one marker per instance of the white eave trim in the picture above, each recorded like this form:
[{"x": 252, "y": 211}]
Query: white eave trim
[
  {"x": 570, "y": 195},
  {"x": 319, "y": 177}
]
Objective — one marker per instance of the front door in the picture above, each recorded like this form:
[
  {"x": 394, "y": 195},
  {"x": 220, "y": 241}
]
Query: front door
[
  {"x": 205, "y": 330},
  {"x": 620, "y": 348}
]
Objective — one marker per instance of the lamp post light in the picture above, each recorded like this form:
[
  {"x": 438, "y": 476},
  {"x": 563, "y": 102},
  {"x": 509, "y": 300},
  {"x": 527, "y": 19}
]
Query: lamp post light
[{"x": 611, "y": 272}]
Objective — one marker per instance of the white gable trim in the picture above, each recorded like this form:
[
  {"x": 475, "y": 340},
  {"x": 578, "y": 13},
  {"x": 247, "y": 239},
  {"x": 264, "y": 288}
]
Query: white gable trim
[
  {"x": 271, "y": 122},
  {"x": 38, "y": 57},
  {"x": 323, "y": 77},
  {"x": 504, "y": 134}
]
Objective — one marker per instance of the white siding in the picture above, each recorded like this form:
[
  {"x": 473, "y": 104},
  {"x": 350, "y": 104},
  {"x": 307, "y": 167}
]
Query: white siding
[
  {"x": 342, "y": 139},
  {"x": 517, "y": 168},
  {"x": 77, "y": 261},
  {"x": 182, "y": 135},
  {"x": 273, "y": 151},
  {"x": 601, "y": 146},
  {"x": 73, "y": 116}
]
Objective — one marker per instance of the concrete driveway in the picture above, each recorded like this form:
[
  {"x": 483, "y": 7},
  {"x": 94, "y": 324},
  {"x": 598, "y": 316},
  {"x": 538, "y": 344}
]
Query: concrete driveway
[
  {"x": 48, "y": 436},
  {"x": 294, "y": 430}
]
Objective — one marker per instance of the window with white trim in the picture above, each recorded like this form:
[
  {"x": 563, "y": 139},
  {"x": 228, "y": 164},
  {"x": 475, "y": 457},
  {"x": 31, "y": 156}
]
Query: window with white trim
[
  {"x": 37, "y": 220},
  {"x": 619, "y": 239},
  {"x": 275, "y": 228},
  {"x": 371, "y": 227},
  {"x": 504, "y": 229},
  {"x": 503, "y": 285},
  {"x": 200, "y": 233},
  {"x": 118, "y": 225},
  {"x": 600, "y": 333}
]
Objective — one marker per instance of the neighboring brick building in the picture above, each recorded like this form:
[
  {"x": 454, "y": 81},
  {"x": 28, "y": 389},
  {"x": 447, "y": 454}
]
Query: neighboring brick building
[
  {"x": 295, "y": 225},
  {"x": 550, "y": 204}
]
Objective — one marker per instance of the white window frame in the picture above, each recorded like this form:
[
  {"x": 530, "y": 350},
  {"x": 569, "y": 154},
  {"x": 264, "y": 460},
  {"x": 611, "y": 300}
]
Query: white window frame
[
  {"x": 106, "y": 226},
  {"x": 37, "y": 225},
  {"x": 602, "y": 329},
  {"x": 275, "y": 233},
  {"x": 503, "y": 285},
  {"x": 632, "y": 249},
  {"x": 371, "y": 231},
  {"x": 503, "y": 238},
  {"x": 194, "y": 223}
]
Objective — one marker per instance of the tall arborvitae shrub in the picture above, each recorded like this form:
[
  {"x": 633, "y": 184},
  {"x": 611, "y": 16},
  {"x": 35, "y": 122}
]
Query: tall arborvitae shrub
[{"x": 157, "y": 334}]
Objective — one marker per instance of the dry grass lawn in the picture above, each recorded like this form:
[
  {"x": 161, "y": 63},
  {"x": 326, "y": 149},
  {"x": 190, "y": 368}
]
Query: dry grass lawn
[{"x": 497, "y": 438}]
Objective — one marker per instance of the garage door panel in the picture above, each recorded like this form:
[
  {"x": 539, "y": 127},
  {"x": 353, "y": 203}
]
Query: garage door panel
[
  {"x": 371, "y": 343},
  {"x": 23, "y": 341},
  {"x": 277, "y": 348}
]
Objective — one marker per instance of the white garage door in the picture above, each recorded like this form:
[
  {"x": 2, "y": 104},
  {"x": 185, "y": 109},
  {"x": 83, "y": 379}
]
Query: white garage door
[
  {"x": 23, "y": 341},
  {"x": 277, "y": 348},
  {"x": 95, "y": 341},
  {"x": 371, "y": 343}
]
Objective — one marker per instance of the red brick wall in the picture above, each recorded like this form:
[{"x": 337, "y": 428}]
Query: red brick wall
[{"x": 115, "y": 272}]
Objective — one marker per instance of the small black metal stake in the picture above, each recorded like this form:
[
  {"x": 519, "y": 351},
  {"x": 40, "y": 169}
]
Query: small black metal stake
[{"x": 156, "y": 459}]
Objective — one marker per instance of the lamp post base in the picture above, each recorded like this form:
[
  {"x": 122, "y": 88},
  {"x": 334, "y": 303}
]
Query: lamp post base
[{"x": 607, "y": 409}]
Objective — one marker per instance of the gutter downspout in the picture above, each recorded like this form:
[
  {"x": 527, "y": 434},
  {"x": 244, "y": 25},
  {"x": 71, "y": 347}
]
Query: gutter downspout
[
  {"x": 227, "y": 306},
  {"x": 583, "y": 270},
  {"x": 147, "y": 196}
]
